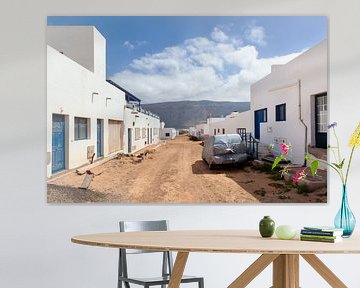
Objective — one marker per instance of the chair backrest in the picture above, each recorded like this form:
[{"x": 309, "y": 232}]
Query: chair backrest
[
  {"x": 132, "y": 226},
  {"x": 137, "y": 226}
]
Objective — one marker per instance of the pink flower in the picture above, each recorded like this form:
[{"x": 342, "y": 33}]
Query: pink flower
[
  {"x": 284, "y": 148},
  {"x": 300, "y": 174}
]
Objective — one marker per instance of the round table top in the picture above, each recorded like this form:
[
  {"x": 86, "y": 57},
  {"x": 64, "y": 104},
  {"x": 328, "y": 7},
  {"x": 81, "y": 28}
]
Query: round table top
[{"x": 219, "y": 241}]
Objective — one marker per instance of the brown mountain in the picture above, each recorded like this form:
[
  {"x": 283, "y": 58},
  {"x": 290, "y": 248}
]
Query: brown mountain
[{"x": 184, "y": 114}]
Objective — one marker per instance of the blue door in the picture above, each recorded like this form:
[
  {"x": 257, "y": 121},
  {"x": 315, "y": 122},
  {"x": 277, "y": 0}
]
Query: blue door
[
  {"x": 260, "y": 117},
  {"x": 99, "y": 139},
  {"x": 58, "y": 143}
]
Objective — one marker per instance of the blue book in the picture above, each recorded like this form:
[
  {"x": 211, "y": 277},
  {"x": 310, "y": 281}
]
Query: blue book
[{"x": 322, "y": 231}]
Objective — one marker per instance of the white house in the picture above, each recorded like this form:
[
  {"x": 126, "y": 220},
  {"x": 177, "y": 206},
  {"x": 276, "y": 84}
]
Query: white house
[
  {"x": 290, "y": 104},
  {"x": 167, "y": 133},
  {"x": 236, "y": 122},
  {"x": 85, "y": 113},
  {"x": 200, "y": 130},
  {"x": 142, "y": 127},
  {"x": 205, "y": 129}
]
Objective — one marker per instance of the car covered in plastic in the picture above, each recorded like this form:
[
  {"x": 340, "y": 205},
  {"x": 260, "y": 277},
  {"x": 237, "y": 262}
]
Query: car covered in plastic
[{"x": 224, "y": 149}]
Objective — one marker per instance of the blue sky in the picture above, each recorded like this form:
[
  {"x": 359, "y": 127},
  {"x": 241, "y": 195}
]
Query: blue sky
[{"x": 194, "y": 58}]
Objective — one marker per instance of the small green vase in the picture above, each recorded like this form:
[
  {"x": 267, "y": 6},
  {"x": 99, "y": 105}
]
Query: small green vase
[{"x": 267, "y": 227}]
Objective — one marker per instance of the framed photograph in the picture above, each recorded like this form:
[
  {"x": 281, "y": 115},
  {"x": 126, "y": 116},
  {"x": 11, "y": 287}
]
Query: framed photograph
[{"x": 186, "y": 109}]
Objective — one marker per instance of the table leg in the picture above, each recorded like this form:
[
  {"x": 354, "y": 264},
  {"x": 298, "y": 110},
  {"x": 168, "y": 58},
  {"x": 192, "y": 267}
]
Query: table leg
[
  {"x": 178, "y": 269},
  {"x": 253, "y": 270},
  {"x": 286, "y": 271},
  {"x": 324, "y": 271}
]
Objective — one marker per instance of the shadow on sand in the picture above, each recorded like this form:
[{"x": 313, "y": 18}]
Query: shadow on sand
[{"x": 230, "y": 171}]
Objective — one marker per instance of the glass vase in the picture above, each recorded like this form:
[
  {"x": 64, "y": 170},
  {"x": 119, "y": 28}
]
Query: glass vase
[{"x": 345, "y": 219}]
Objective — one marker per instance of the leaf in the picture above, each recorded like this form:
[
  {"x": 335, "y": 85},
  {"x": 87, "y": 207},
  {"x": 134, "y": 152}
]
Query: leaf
[
  {"x": 342, "y": 163},
  {"x": 307, "y": 157},
  {"x": 336, "y": 165},
  {"x": 314, "y": 167},
  {"x": 339, "y": 166},
  {"x": 277, "y": 161}
]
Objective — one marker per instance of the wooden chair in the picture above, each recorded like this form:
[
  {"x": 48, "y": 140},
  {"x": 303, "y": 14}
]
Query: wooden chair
[{"x": 167, "y": 262}]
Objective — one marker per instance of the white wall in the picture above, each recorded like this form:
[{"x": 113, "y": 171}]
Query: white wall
[
  {"x": 35, "y": 237},
  {"x": 76, "y": 42},
  {"x": 281, "y": 86},
  {"x": 202, "y": 128},
  {"x": 232, "y": 122},
  {"x": 75, "y": 91},
  {"x": 83, "y": 44},
  {"x": 140, "y": 121},
  {"x": 205, "y": 127},
  {"x": 170, "y": 131}
]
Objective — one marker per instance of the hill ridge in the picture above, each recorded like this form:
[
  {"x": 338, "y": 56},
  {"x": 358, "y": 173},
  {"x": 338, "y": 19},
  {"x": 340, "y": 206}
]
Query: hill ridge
[{"x": 187, "y": 113}]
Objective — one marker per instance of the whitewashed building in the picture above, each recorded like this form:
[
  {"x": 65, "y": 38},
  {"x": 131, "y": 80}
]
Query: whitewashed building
[
  {"x": 85, "y": 114},
  {"x": 234, "y": 123},
  {"x": 205, "y": 129},
  {"x": 200, "y": 130},
  {"x": 290, "y": 104},
  {"x": 142, "y": 128},
  {"x": 167, "y": 133}
]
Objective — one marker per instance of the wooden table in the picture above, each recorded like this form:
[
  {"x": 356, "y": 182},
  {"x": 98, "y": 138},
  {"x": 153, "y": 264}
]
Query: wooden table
[{"x": 284, "y": 254}]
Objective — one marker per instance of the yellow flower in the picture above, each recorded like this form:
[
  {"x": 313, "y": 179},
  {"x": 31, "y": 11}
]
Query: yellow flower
[{"x": 355, "y": 138}]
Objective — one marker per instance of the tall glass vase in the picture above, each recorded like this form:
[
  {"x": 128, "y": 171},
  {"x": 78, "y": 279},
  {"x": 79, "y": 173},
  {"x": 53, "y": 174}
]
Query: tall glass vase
[{"x": 345, "y": 219}]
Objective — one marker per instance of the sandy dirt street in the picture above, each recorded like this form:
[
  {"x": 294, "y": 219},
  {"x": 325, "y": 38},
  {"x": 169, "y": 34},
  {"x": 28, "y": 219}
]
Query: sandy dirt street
[{"x": 175, "y": 173}]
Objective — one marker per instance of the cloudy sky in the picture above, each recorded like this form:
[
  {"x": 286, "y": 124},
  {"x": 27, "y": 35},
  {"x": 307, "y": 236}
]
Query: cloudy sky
[{"x": 162, "y": 59}]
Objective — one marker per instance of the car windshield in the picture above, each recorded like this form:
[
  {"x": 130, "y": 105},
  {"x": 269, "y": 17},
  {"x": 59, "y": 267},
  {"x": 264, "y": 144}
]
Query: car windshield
[
  {"x": 227, "y": 139},
  {"x": 227, "y": 144}
]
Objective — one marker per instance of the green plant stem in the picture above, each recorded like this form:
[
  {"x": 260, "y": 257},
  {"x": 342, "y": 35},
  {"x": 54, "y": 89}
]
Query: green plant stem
[
  {"x": 337, "y": 143},
  {"x": 350, "y": 159},
  {"x": 348, "y": 167},
  {"x": 339, "y": 155},
  {"x": 333, "y": 152},
  {"x": 336, "y": 169}
]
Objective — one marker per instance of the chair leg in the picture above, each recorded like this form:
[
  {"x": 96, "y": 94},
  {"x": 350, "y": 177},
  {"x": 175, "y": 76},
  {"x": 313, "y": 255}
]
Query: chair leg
[{"x": 201, "y": 283}]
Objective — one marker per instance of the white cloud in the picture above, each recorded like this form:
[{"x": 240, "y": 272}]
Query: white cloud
[
  {"x": 197, "y": 69},
  {"x": 128, "y": 45},
  {"x": 256, "y": 35},
  {"x": 131, "y": 46},
  {"x": 218, "y": 35}
]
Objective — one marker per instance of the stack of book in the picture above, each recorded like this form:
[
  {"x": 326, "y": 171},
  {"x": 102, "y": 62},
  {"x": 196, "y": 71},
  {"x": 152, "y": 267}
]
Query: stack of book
[{"x": 321, "y": 234}]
